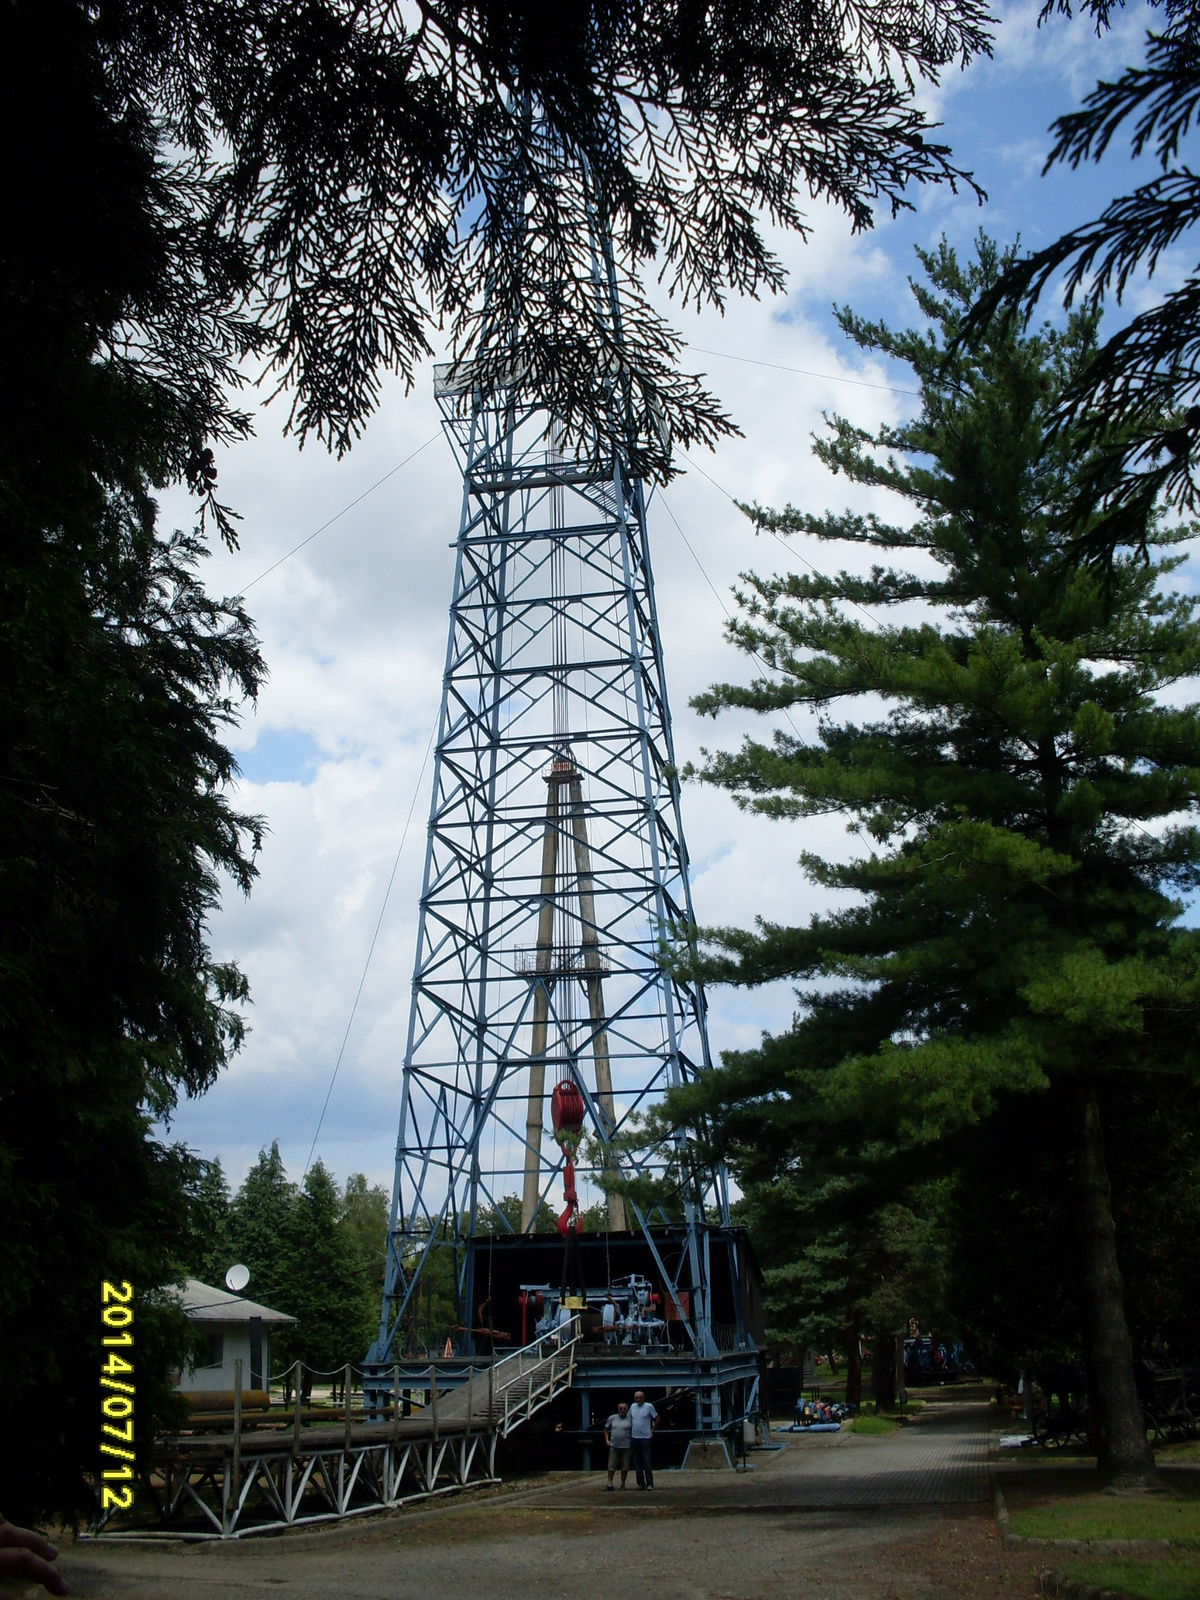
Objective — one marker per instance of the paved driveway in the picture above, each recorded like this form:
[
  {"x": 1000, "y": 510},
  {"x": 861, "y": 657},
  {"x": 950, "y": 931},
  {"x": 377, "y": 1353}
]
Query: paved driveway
[{"x": 940, "y": 1460}]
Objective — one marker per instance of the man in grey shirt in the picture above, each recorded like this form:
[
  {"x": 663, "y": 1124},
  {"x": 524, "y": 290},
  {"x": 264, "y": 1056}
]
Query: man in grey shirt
[
  {"x": 618, "y": 1436},
  {"x": 644, "y": 1419}
]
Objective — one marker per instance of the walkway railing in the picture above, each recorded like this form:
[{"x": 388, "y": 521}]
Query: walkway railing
[
  {"x": 284, "y": 1467},
  {"x": 529, "y": 1379}
]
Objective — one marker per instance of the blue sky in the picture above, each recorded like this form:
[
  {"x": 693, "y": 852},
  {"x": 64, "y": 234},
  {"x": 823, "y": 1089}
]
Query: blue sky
[{"x": 354, "y": 625}]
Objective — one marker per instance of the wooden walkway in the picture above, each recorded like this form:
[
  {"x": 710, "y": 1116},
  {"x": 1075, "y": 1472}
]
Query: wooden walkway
[{"x": 267, "y": 1474}]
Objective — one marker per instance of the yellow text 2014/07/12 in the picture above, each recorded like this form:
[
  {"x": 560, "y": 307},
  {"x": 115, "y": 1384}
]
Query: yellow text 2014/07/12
[{"x": 117, "y": 1394}]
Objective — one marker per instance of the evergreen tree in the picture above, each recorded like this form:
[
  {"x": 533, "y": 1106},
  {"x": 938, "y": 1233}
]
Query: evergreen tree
[
  {"x": 263, "y": 1228},
  {"x": 365, "y": 1217},
  {"x": 843, "y": 1263},
  {"x": 326, "y": 1280},
  {"x": 1012, "y": 1240},
  {"x": 210, "y": 1254},
  {"x": 1017, "y": 784},
  {"x": 364, "y": 1223},
  {"x": 1154, "y": 1161},
  {"x": 315, "y": 1251},
  {"x": 118, "y": 679},
  {"x": 176, "y": 203},
  {"x": 1146, "y": 373}
]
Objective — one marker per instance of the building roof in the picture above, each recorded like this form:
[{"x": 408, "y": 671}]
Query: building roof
[{"x": 203, "y": 1303}]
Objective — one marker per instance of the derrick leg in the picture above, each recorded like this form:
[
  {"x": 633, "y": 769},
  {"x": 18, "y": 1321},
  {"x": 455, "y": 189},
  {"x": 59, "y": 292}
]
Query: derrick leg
[
  {"x": 541, "y": 1011},
  {"x": 617, "y": 1218}
]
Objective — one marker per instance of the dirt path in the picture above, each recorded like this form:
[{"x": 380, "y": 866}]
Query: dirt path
[{"x": 837, "y": 1516}]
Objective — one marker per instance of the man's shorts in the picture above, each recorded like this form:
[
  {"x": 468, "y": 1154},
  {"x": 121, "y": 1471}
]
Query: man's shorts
[{"x": 619, "y": 1460}]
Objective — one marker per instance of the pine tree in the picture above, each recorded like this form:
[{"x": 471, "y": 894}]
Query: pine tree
[
  {"x": 119, "y": 676},
  {"x": 262, "y": 1224},
  {"x": 1020, "y": 781},
  {"x": 1146, "y": 373},
  {"x": 210, "y": 1254},
  {"x": 842, "y": 1262},
  {"x": 176, "y": 204},
  {"x": 316, "y": 1252},
  {"x": 1012, "y": 1239},
  {"x": 364, "y": 1224},
  {"x": 326, "y": 1278},
  {"x": 847, "y": 1232}
]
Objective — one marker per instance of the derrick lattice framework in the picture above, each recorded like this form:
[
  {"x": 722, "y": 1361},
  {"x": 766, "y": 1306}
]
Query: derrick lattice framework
[{"x": 555, "y": 864}]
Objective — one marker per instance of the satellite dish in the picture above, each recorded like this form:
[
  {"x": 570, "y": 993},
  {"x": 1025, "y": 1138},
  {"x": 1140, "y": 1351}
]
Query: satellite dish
[{"x": 237, "y": 1278}]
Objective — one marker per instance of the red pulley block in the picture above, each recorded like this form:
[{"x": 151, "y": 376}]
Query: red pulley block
[{"x": 566, "y": 1108}]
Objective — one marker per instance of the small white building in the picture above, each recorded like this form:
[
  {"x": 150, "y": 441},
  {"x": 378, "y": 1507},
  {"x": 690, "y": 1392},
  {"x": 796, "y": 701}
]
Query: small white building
[{"x": 229, "y": 1327}]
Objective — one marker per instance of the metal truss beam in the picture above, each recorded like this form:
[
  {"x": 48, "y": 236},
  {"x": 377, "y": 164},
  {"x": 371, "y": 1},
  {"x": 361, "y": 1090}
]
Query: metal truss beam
[{"x": 553, "y": 665}]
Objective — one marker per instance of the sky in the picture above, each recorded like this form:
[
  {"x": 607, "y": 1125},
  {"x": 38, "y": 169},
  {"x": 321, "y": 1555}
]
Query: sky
[{"x": 353, "y": 625}]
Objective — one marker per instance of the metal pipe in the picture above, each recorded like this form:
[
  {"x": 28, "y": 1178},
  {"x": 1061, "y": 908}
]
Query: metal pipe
[
  {"x": 531, "y": 1195},
  {"x": 237, "y": 1432},
  {"x": 297, "y": 1402},
  {"x": 618, "y": 1221}
]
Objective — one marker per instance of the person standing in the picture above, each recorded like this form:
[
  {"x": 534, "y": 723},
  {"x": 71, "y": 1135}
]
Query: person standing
[
  {"x": 618, "y": 1436},
  {"x": 644, "y": 1420}
]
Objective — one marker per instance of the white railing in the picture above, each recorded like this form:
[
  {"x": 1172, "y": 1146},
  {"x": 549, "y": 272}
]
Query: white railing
[{"x": 529, "y": 1378}]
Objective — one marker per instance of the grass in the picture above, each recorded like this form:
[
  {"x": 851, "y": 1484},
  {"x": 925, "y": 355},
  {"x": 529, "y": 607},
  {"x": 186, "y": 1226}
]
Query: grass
[
  {"x": 1104, "y": 1516},
  {"x": 873, "y": 1425},
  {"x": 1173, "y": 1577},
  {"x": 1177, "y": 1450}
]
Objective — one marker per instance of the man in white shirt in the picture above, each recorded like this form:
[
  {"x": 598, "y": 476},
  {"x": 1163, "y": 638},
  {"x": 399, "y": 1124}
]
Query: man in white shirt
[{"x": 644, "y": 1418}]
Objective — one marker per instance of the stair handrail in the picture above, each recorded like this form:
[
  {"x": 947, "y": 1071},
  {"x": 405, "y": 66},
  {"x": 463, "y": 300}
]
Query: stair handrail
[{"x": 542, "y": 1349}]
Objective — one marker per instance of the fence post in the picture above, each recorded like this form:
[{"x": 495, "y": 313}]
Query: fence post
[
  {"x": 433, "y": 1401},
  {"x": 297, "y": 1415},
  {"x": 346, "y": 1397},
  {"x": 237, "y": 1433},
  {"x": 395, "y": 1405}
]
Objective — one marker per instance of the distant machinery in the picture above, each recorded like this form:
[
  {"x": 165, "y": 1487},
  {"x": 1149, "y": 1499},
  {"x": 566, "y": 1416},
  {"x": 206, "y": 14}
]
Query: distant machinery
[{"x": 555, "y": 874}]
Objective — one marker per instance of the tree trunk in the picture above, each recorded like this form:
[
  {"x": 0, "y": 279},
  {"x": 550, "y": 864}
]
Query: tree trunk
[
  {"x": 1096, "y": 1433},
  {"x": 883, "y": 1370},
  {"x": 901, "y": 1391},
  {"x": 1125, "y": 1453},
  {"x": 853, "y": 1362}
]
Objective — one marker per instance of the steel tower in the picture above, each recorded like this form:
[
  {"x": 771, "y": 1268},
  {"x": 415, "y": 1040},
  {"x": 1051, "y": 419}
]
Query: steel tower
[{"x": 555, "y": 866}]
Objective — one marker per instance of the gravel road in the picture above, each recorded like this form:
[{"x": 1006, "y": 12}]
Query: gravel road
[{"x": 906, "y": 1517}]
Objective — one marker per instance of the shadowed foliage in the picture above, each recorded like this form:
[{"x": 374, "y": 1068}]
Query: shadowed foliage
[{"x": 1140, "y": 392}]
